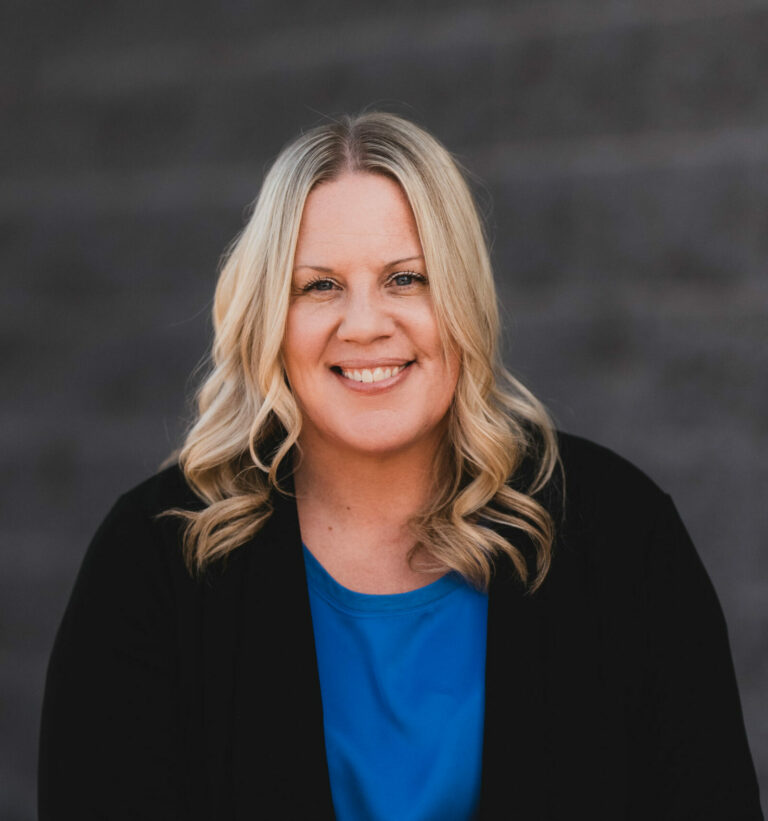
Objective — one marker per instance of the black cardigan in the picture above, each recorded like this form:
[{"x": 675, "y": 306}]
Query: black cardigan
[{"x": 610, "y": 692}]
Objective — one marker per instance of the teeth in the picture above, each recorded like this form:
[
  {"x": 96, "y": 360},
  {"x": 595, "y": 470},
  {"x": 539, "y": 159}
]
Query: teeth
[{"x": 375, "y": 375}]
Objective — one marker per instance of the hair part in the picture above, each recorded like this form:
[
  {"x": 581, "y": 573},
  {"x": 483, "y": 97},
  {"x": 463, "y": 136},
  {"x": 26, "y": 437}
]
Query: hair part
[{"x": 246, "y": 431}]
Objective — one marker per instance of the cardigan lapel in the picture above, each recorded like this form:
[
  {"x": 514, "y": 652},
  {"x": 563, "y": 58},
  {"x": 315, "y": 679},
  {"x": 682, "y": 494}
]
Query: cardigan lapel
[
  {"x": 260, "y": 659},
  {"x": 552, "y": 710},
  {"x": 513, "y": 748}
]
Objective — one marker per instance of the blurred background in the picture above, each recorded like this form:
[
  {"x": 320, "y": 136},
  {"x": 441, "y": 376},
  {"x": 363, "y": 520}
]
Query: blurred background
[{"x": 621, "y": 156}]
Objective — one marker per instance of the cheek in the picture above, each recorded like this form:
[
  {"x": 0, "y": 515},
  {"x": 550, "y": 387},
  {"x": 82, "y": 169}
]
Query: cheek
[
  {"x": 448, "y": 378},
  {"x": 421, "y": 323},
  {"x": 451, "y": 377},
  {"x": 425, "y": 332},
  {"x": 300, "y": 342}
]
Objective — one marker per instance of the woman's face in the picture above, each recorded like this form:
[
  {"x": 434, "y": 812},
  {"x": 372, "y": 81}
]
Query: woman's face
[{"x": 362, "y": 350}]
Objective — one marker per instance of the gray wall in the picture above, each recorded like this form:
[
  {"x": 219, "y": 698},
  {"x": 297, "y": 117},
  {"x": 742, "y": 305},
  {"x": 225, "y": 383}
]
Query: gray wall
[{"x": 624, "y": 146}]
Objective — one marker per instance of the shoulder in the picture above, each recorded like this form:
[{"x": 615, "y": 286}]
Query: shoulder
[
  {"x": 134, "y": 542},
  {"x": 162, "y": 491},
  {"x": 619, "y": 536},
  {"x": 606, "y": 509},
  {"x": 594, "y": 472},
  {"x": 590, "y": 462}
]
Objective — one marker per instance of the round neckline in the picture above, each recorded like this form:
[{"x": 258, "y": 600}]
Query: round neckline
[{"x": 335, "y": 593}]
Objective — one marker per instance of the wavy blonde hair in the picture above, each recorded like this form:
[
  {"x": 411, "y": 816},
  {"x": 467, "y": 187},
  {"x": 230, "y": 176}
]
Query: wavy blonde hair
[{"x": 241, "y": 445}]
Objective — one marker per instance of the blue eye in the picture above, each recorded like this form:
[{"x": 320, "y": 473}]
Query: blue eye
[
  {"x": 319, "y": 285},
  {"x": 405, "y": 278}
]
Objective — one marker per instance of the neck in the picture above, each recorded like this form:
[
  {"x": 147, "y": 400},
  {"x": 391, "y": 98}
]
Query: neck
[
  {"x": 354, "y": 509},
  {"x": 390, "y": 486}
]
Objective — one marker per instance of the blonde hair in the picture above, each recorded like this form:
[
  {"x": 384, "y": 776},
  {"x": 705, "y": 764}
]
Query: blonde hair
[{"x": 239, "y": 448}]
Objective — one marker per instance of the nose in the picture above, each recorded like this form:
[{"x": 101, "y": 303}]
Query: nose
[{"x": 365, "y": 317}]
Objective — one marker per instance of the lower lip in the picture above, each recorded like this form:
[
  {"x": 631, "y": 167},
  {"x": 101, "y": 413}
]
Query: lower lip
[{"x": 373, "y": 387}]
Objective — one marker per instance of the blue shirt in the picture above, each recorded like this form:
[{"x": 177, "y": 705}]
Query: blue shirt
[{"x": 402, "y": 678}]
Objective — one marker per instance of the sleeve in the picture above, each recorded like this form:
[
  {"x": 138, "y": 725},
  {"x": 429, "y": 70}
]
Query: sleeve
[
  {"x": 109, "y": 733},
  {"x": 696, "y": 747}
]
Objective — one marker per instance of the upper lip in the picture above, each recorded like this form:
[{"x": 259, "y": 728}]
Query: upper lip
[{"x": 369, "y": 364}]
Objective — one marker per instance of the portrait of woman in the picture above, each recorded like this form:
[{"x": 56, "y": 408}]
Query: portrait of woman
[{"x": 375, "y": 581}]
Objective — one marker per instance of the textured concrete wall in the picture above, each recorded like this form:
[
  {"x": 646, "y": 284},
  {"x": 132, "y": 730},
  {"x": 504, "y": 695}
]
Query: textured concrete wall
[{"x": 624, "y": 149}]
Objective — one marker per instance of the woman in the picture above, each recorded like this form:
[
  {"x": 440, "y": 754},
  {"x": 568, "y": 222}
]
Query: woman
[{"x": 376, "y": 584}]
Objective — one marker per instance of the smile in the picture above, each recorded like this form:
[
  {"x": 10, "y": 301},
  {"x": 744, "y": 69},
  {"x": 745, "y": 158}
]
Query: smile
[{"x": 371, "y": 374}]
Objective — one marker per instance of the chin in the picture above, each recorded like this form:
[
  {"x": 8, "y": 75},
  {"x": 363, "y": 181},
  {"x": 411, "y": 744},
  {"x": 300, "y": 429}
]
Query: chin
[
  {"x": 375, "y": 446},
  {"x": 376, "y": 441}
]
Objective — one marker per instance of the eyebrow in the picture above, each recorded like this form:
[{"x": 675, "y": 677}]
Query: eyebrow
[{"x": 394, "y": 262}]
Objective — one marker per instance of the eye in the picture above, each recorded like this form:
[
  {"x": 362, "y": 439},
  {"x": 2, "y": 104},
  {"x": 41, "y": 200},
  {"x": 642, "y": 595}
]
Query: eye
[
  {"x": 322, "y": 284},
  {"x": 406, "y": 278}
]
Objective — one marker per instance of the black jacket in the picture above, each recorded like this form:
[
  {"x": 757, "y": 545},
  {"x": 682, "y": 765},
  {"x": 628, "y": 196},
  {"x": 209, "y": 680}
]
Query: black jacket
[{"x": 610, "y": 692}]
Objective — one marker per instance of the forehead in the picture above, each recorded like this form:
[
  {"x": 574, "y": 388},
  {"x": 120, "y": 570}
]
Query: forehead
[{"x": 358, "y": 215}]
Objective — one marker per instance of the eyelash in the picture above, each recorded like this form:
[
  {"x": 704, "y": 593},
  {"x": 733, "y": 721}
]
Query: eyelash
[
  {"x": 416, "y": 277},
  {"x": 312, "y": 284}
]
